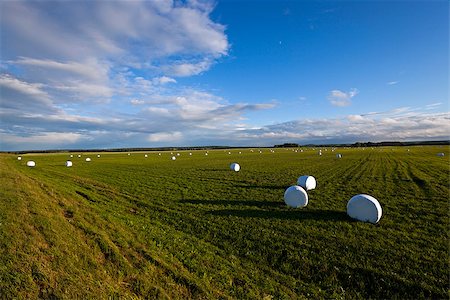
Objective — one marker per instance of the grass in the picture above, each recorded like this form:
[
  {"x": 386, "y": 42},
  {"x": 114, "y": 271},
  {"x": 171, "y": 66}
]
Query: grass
[{"x": 151, "y": 227}]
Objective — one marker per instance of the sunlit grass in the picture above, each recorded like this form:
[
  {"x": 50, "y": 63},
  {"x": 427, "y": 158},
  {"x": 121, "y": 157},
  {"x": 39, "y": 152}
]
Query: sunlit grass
[{"x": 192, "y": 228}]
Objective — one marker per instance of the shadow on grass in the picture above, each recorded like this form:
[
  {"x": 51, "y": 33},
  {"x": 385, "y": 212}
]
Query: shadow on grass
[
  {"x": 236, "y": 202},
  {"x": 298, "y": 214}
]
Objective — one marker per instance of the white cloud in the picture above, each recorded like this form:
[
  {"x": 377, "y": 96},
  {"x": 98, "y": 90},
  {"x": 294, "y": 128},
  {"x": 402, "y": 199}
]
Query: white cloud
[
  {"x": 340, "y": 98},
  {"x": 45, "y": 140},
  {"x": 184, "y": 69},
  {"x": 31, "y": 89},
  {"x": 165, "y": 80},
  {"x": 375, "y": 128},
  {"x": 392, "y": 82},
  {"x": 90, "y": 69},
  {"x": 137, "y": 102},
  {"x": 165, "y": 137},
  {"x": 356, "y": 118}
]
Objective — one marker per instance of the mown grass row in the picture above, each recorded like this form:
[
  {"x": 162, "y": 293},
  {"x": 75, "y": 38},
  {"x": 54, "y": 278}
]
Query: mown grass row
[{"x": 191, "y": 228}]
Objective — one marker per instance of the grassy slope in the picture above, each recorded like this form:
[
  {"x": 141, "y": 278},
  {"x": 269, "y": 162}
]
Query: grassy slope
[{"x": 192, "y": 228}]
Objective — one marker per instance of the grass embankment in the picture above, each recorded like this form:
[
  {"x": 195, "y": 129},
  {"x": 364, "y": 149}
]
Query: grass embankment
[{"x": 191, "y": 228}]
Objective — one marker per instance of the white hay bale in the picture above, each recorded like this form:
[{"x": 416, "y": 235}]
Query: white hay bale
[
  {"x": 364, "y": 208},
  {"x": 98, "y": 155},
  {"x": 88, "y": 159},
  {"x": 159, "y": 154},
  {"x": 206, "y": 153},
  {"x": 295, "y": 196},
  {"x": 173, "y": 158},
  {"x": 145, "y": 155},
  {"x": 19, "y": 158},
  {"x": 129, "y": 154},
  {"x": 79, "y": 155},
  {"x": 235, "y": 167},
  {"x": 71, "y": 155},
  {"x": 31, "y": 163},
  {"x": 240, "y": 152},
  {"x": 441, "y": 154},
  {"x": 307, "y": 182},
  {"x": 68, "y": 163},
  {"x": 338, "y": 155},
  {"x": 229, "y": 153},
  {"x": 190, "y": 153},
  {"x": 178, "y": 154}
]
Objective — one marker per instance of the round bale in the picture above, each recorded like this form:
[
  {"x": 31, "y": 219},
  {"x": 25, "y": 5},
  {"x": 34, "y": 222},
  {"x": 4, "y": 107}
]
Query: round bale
[
  {"x": 295, "y": 196},
  {"x": 307, "y": 182},
  {"x": 173, "y": 158},
  {"x": 235, "y": 167},
  {"x": 441, "y": 154},
  {"x": 364, "y": 208},
  {"x": 19, "y": 158},
  {"x": 88, "y": 159},
  {"x": 31, "y": 163},
  {"x": 68, "y": 163}
]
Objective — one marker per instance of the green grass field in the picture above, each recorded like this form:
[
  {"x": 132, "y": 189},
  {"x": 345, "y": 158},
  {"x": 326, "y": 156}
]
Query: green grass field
[{"x": 135, "y": 227}]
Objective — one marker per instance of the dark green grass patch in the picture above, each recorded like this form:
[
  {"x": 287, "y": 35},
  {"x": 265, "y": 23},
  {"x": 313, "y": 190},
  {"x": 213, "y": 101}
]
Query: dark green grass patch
[{"x": 192, "y": 228}]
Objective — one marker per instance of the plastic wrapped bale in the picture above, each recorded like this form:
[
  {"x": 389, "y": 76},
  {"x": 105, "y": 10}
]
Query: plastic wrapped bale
[
  {"x": 19, "y": 158},
  {"x": 441, "y": 154},
  {"x": 68, "y": 163},
  {"x": 88, "y": 159},
  {"x": 98, "y": 155},
  {"x": 190, "y": 153},
  {"x": 338, "y": 155},
  {"x": 364, "y": 208},
  {"x": 145, "y": 155},
  {"x": 79, "y": 155},
  {"x": 178, "y": 154},
  {"x": 235, "y": 167},
  {"x": 31, "y": 163},
  {"x": 71, "y": 155},
  {"x": 307, "y": 182},
  {"x": 295, "y": 196},
  {"x": 173, "y": 158}
]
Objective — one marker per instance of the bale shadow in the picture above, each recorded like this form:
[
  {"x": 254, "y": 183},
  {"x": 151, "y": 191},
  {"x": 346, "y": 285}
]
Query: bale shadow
[
  {"x": 291, "y": 214},
  {"x": 261, "y": 204}
]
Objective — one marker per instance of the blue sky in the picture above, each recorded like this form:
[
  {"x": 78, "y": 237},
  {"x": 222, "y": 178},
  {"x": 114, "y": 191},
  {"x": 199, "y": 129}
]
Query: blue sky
[{"x": 99, "y": 74}]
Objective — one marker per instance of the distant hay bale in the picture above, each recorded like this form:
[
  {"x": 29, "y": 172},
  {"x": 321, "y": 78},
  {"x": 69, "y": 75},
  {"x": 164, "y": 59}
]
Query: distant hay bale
[
  {"x": 190, "y": 153},
  {"x": 145, "y": 155},
  {"x": 364, "y": 208},
  {"x": 98, "y": 155},
  {"x": 235, "y": 167},
  {"x": 79, "y": 155},
  {"x": 338, "y": 155},
  {"x": 129, "y": 154},
  {"x": 441, "y": 154},
  {"x": 295, "y": 196},
  {"x": 31, "y": 163},
  {"x": 71, "y": 155},
  {"x": 229, "y": 153},
  {"x": 68, "y": 163},
  {"x": 88, "y": 159},
  {"x": 173, "y": 158},
  {"x": 206, "y": 153},
  {"x": 178, "y": 154},
  {"x": 19, "y": 158},
  {"x": 307, "y": 182}
]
